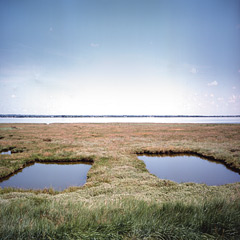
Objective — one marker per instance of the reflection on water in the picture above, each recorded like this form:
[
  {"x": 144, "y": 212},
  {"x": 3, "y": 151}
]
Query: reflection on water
[
  {"x": 6, "y": 153},
  {"x": 188, "y": 168},
  {"x": 45, "y": 175}
]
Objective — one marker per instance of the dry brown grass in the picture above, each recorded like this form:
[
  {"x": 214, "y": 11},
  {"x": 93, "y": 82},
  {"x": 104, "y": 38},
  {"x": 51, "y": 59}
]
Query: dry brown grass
[{"x": 117, "y": 172}]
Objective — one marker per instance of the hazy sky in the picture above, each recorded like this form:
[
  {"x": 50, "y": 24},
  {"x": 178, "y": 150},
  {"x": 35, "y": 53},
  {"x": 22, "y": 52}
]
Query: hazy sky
[{"x": 120, "y": 56}]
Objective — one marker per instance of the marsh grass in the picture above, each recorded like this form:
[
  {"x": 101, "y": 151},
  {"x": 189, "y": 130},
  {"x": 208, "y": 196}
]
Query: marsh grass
[
  {"x": 39, "y": 218},
  {"x": 121, "y": 199}
]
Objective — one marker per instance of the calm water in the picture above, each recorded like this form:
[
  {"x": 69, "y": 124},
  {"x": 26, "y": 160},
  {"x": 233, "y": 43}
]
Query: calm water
[
  {"x": 46, "y": 175},
  {"x": 6, "y": 153},
  {"x": 218, "y": 120},
  {"x": 190, "y": 169}
]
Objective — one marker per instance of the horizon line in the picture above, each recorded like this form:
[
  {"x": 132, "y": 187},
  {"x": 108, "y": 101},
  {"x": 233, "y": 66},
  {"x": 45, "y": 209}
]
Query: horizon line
[{"x": 105, "y": 116}]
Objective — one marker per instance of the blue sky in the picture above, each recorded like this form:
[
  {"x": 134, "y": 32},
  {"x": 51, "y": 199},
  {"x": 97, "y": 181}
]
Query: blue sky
[{"x": 120, "y": 57}]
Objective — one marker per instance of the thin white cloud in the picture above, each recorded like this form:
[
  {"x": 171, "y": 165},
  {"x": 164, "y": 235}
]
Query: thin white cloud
[
  {"x": 232, "y": 99},
  {"x": 50, "y": 29},
  {"x": 13, "y": 96},
  {"x": 18, "y": 73},
  {"x": 193, "y": 70},
  {"x": 233, "y": 87},
  {"x": 94, "y": 45},
  {"x": 214, "y": 83}
]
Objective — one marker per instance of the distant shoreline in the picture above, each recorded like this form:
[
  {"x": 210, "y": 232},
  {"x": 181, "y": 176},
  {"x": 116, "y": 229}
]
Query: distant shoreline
[{"x": 113, "y": 116}]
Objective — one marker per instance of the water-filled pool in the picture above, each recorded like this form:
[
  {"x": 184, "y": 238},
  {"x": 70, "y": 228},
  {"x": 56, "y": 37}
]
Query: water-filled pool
[
  {"x": 6, "y": 153},
  {"x": 189, "y": 168},
  {"x": 45, "y": 175}
]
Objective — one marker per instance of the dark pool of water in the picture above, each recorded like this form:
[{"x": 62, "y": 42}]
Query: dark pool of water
[
  {"x": 182, "y": 168},
  {"x": 45, "y": 175}
]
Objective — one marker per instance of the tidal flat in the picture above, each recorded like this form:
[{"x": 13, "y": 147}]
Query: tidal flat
[{"x": 121, "y": 199}]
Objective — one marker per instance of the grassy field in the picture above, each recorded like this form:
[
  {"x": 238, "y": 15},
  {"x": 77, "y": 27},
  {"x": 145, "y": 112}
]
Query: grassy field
[{"x": 121, "y": 199}]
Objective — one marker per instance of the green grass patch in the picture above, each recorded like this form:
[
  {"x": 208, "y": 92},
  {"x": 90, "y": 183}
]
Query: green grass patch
[
  {"x": 39, "y": 218},
  {"x": 6, "y": 128}
]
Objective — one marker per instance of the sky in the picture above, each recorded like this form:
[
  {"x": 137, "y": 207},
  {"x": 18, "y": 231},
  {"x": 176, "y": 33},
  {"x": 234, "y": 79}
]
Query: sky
[{"x": 120, "y": 57}]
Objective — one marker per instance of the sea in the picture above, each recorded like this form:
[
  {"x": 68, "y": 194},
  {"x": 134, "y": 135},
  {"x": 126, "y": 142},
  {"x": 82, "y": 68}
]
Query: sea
[{"x": 159, "y": 119}]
